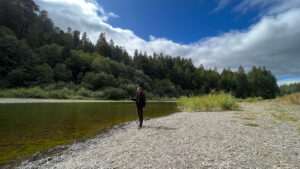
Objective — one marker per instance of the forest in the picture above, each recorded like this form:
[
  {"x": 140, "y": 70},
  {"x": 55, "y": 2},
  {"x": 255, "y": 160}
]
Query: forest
[
  {"x": 290, "y": 89},
  {"x": 35, "y": 54}
]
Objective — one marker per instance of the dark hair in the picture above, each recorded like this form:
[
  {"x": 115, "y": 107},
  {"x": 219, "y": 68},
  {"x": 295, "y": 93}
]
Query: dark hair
[{"x": 140, "y": 88}]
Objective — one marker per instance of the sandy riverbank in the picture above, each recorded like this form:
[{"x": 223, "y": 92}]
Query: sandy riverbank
[{"x": 190, "y": 140}]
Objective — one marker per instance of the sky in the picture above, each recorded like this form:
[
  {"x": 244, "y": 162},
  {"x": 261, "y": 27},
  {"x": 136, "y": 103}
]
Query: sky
[{"x": 214, "y": 33}]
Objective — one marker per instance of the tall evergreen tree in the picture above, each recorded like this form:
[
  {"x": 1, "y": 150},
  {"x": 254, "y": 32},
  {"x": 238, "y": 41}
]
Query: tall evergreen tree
[
  {"x": 76, "y": 39},
  {"x": 102, "y": 46},
  {"x": 242, "y": 86},
  {"x": 86, "y": 45}
]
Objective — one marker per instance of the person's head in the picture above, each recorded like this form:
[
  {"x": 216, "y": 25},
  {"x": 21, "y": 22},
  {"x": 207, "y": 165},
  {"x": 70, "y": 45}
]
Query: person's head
[{"x": 139, "y": 89}]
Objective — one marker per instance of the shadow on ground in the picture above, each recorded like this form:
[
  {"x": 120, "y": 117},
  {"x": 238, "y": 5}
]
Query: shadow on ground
[{"x": 160, "y": 127}]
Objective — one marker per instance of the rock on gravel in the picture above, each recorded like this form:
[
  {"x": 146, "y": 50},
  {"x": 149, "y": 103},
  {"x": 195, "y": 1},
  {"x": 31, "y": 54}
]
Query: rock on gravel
[{"x": 188, "y": 140}]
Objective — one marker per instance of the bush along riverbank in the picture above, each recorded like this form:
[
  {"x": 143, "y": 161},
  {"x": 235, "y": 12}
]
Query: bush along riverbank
[
  {"x": 210, "y": 102},
  {"x": 76, "y": 92}
]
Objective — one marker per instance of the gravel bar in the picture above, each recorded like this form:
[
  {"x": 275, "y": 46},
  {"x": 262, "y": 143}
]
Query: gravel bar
[{"x": 189, "y": 140}]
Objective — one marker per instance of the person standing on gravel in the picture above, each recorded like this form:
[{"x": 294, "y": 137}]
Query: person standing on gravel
[{"x": 140, "y": 100}]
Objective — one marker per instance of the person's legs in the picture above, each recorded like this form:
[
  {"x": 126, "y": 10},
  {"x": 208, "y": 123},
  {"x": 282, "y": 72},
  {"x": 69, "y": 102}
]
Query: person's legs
[{"x": 140, "y": 113}]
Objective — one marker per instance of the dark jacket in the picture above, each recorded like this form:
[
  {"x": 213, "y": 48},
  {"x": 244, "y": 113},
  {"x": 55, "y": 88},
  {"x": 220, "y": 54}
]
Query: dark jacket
[{"x": 140, "y": 100}]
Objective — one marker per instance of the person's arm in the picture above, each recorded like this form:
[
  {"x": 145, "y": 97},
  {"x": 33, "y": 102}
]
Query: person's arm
[
  {"x": 133, "y": 98},
  {"x": 144, "y": 100}
]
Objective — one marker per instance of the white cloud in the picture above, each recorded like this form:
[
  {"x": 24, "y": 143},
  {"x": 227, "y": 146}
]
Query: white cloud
[
  {"x": 273, "y": 41},
  {"x": 288, "y": 81},
  {"x": 268, "y": 6},
  {"x": 222, "y": 4}
]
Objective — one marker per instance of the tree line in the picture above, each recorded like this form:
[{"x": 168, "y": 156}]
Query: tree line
[
  {"x": 289, "y": 89},
  {"x": 34, "y": 52}
]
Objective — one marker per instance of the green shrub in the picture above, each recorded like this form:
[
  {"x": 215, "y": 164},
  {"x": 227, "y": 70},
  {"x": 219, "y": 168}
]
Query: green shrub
[
  {"x": 252, "y": 124},
  {"x": 59, "y": 94},
  {"x": 34, "y": 92},
  {"x": 99, "y": 80},
  {"x": 129, "y": 88},
  {"x": 253, "y": 99},
  {"x": 97, "y": 94},
  {"x": 208, "y": 102},
  {"x": 114, "y": 93},
  {"x": 84, "y": 92},
  {"x": 72, "y": 86},
  {"x": 227, "y": 102},
  {"x": 55, "y": 86},
  {"x": 149, "y": 95}
]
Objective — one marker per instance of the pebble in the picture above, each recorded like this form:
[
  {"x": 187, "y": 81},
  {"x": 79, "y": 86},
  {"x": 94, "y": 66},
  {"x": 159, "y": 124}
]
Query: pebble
[{"x": 188, "y": 140}]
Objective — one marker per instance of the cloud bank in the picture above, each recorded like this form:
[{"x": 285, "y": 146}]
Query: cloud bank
[
  {"x": 288, "y": 81},
  {"x": 274, "y": 41}
]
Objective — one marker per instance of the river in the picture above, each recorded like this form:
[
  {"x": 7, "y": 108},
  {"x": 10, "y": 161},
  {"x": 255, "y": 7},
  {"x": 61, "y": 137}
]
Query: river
[{"x": 27, "y": 128}]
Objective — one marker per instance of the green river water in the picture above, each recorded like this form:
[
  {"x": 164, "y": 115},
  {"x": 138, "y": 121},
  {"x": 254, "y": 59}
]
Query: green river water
[{"x": 26, "y": 128}]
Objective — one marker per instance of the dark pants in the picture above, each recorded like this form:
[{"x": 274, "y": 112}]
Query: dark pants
[{"x": 140, "y": 113}]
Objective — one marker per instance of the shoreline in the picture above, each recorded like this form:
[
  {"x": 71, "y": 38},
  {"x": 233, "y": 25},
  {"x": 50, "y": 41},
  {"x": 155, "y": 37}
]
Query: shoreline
[
  {"x": 14, "y": 162},
  {"x": 35, "y": 100},
  {"x": 59, "y": 149},
  {"x": 189, "y": 140}
]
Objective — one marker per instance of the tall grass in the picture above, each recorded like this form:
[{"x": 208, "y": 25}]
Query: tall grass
[
  {"x": 221, "y": 101},
  {"x": 252, "y": 99},
  {"x": 291, "y": 99}
]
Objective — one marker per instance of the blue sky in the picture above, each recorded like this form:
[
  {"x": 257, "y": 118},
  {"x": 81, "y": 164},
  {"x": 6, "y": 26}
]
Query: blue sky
[
  {"x": 177, "y": 20},
  {"x": 215, "y": 33}
]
